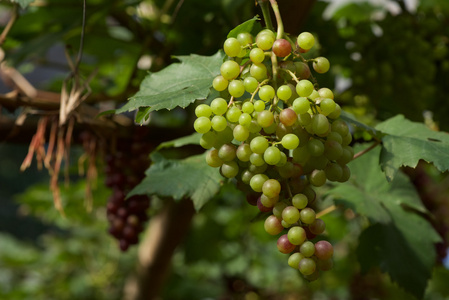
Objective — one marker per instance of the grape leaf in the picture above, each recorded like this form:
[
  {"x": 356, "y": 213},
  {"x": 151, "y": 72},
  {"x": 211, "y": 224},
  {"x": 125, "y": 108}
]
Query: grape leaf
[
  {"x": 401, "y": 241},
  {"x": 23, "y": 3},
  {"x": 193, "y": 139},
  {"x": 251, "y": 26},
  {"x": 406, "y": 142},
  {"x": 179, "y": 84},
  {"x": 190, "y": 177}
]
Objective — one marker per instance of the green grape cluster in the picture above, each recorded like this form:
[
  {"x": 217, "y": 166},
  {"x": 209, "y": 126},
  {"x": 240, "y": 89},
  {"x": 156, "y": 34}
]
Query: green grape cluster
[{"x": 279, "y": 133}]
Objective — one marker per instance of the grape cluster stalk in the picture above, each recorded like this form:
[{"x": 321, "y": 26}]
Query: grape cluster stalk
[
  {"x": 125, "y": 168},
  {"x": 274, "y": 130}
]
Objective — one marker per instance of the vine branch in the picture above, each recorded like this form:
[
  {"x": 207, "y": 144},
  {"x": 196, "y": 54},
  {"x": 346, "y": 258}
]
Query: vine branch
[{"x": 367, "y": 149}]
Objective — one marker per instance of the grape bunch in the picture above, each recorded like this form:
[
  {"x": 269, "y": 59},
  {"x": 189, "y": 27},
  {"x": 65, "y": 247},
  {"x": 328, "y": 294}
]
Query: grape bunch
[
  {"x": 275, "y": 130},
  {"x": 125, "y": 168}
]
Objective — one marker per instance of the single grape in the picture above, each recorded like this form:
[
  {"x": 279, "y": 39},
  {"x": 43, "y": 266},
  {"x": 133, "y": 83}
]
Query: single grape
[
  {"x": 307, "y": 215},
  {"x": 219, "y": 83},
  {"x": 283, "y": 160},
  {"x": 241, "y": 133},
  {"x": 219, "y": 123},
  {"x": 257, "y": 159},
  {"x": 227, "y": 152},
  {"x": 334, "y": 136},
  {"x": 346, "y": 174},
  {"x": 324, "y": 250},
  {"x": 266, "y": 93},
  {"x": 245, "y": 120},
  {"x": 326, "y": 93},
  {"x": 243, "y": 152},
  {"x": 333, "y": 171},
  {"x": 340, "y": 127},
  {"x": 232, "y": 47},
  {"x": 246, "y": 176},
  {"x": 321, "y": 64},
  {"x": 306, "y": 40},
  {"x": 260, "y": 169},
  {"x": 264, "y": 41},
  {"x": 256, "y": 55},
  {"x": 307, "y": 266},
  {"x": 254, "y": 127},
  {"x": 282, "y": 48},
  {"x": 315, "y": 147},
  {"x": 212, "y": 159},
  {"x": 265, "y": 118},
  {"x": 317, "y": 227},
  {"x": 271, "y": 188},
  {"x": 250, "y": 84},
  {"x": 272, "y": 155},
  {"x": 288, "y": 117},
  {"x": 278, "y": 208},
  {"x": 290, "y": 141},
  {"x": 294, "y": 259},
  {"x": 290, "y": 214},
  {"x": 296, "y": 235},
  {"x": 203, "y": 110},
  {"x": 267, "y": 201},
  {"x": 259, "y": 144},
  {"x": 333, "y": 150},
  {"x": 302, "y": 70},
  {"x": 258, "y": 71},
  {"x": 307, "y": 248},
  {"x": 320, "y": 124},
  {"x": 229, "y": 169},
  {"x": 219, "y": 106},
  {"x": 300, "y": 201},
  {"x": 236, "y": 88},
  {"x": 304, "y": 119},
  {"x": 317, "y": 177},
  {"x": 301, "y": 105},
  {"x": 259, "y": 105},
  {"x": 304, "y": 88},
  {"x": 208, "y": 140},
  {"x": 230, "y": 70},
  {"x": 245, "y": 38},
  {"x": 202, "y": 125},
  {"x": 233, "y": 114},
  {"x": 257, "y": 182},
  {"x": 284, "y": 244},
  {"x": 273, "y": 225}
]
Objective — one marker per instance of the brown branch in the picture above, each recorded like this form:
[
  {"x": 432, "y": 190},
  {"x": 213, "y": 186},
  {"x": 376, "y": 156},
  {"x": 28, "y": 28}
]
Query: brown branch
[{"x": 9, "y": 25}]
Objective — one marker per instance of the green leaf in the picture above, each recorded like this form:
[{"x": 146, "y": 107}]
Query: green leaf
[
  {"x": 179, "y": 84},
  {"x": 251, "y": 26},
  {"x": 190, "y": 177},
  {"x": 193, "y": 139},
  {"x": 23, "y": 3},
  {"x": 401, "y": 241},
  {"x": 406, "y": 142}
]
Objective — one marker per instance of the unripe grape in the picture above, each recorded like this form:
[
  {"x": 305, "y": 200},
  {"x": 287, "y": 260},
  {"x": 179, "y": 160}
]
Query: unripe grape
[
  {"x": 258, "y": 71},
  {"x": 202, "y": 124},
  {"x": 282, "y": 130},
  {"x": 324, "y": 250},
  {"x": 236, "y": 88},
  {"x": 250, "y": 84},
  {"x": 269, "y": 130},
  {"x": 212, "y": 159},
  {"x": 261, "y": 207},
  {"x": 243, "y": 152},
  {"x": 232, "y": 47},
  {"x": 307, "y": 248},
  {"x": 219, "y": 123},
  {"x": 208, "y": 140},
  {"x": 346, "y": 174},
  {"x": 246, "y": 176},
  {"x": 256, "y": 55},
  {"x": 245, "y": 38},
  {"x": 265, "y": 118},
  {"x": 229, "y": 169},
  {"x": 320, "y": 124},
  {"x": 326, "y": 93},
  {"x": 282, "y": 161},
  {"x": 317, "y": 178},
  {"x": 272, "y": 155},
  {"x": 296, "y": 235},
  {"x": 203, "y": 110},
  {"x": 219, "y": 106},
  {"x": 257, "y": 159},
  {"x": 284, "y": 244},
  {"x": 327, "y": 106},
  {"x": 317, "y": 227},
  {"x": 340, "y": 127},
  {"x": 273, "y": 225},
  {"x": 233, "y": 114},
  {"x": 230, "y": 70},
  {"x": 264, "y": 41},
  {"x": 260, "y": 169},
  {"x": 294, "y": 259},
  {"x": 254, "y": 127},
  {"x": 278, "y": 209},
  {"x": 333, "y": 150},
  {"x": 301, "y": 105},
  {"x": 271, "y": 188},
  {"x": 259, "y": 144},
  {"x": 227, "y": 152},
  {"x": 307, "y": 215},
  {"x": 302, "y": 70},
  {"x": 219, "y": 83},
  {"x": 266, "y": 93},
  {"x": 290, "y": 214},
  {"x": 290, "y": 141},
  {"x": 241, "y": 133},
  {"x": 257, "y": 182},
  {"x": 284, "y": 92},
  {"x": 259, "y": 105},
  {"x": 306, "y": 40},
  {"x": 267, "y": 201},
  {"x": 282, "y": 48},
  {"x": 307, "y": 266},
  {"x": 315, "y": 147},
  {"x": 247, "y": 107},
  {"x": 321, "y": 64},
  {"x": 304, "y": 88},
  {"x": 300, "y": 201},
  {"x": 336, "y": 113},
  {"x": 333, "y": 171}
]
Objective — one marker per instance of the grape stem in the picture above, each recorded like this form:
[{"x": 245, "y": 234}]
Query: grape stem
[
  {"x": 277, "y": 14},
  {"x": 326, "y": 211},
  {"x": 266, "y": 13},
  {"x": 367, "y": 149},
  {"x": 292, "y": 75},
  {"x": 257, "y": 89},
  {"x": 231, "y": 102}
]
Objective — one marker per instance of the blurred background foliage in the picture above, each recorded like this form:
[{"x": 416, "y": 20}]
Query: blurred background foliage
[{"x": 387, "y": 57}]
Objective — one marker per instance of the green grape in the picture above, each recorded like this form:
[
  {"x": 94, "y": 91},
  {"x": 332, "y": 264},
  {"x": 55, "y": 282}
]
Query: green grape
[
  {"x": 294, "y": 259},
  {"x": 290, "y": 214},
  {"x": 250, "y": 84},
  {"x": 219, "y": 123},
  {"x": 271, "y": 188},
  {"x": 347, "y": 139},
  {"x": 306, "y": 40},
  {"x": 259, "y": 144},
  {"x": 285, "y": 224},
  {"x": 347, "y": 155},
  {"x": 301, "y": 105},
  {"x": 233, "y": 114},
  {"x": 257, "y": 159},
  {"x": 336, "y": 113},
  {"x": 314, "y": 95},
  {"x": 229, "y": 169},
  {"x": 247, "y": 107},
  {"x": 208, "y": 140},
  {"x": 245, "y": 120},
  {"x": 307, "y": 266},
  {"x": 257, "y": 182},
  {"x": 346, "y": 174},
  {"x": 259, "y": 105},
  {"x": 241, "y": 133},
  {"x": 327, "y": 106},
  {"x": 267, "y": 31},
  {"x": 272, "y": 155},
  {"x": 265, "y": 118},
  {"x": 321, "y": 64},
  {"x": 232, "y": 47},
  {"x": 227, "y": 152},
  {"x": 258, "y": 169},
  {"x": 300, "y": 201},
  {"x": 246, "y": 176},
  {"x": 273, "y": 225},
  {"x": 278, "y": 208},
  {"x": 317, "y": 227},
  {"x": 203, "y": 110},
  {"x": 254, "y": 127},
  {"x": 334, "y": 136},
  {"x": 202, "y": 125},
  {"x": 296, "y": 235},
  {"x": 212, "y": 159},
  {"x": 224, "y": 137},
  {"x": 230, "y": 70},
  {"x": 244, "y": 152},
  {"x": 270, "y": 129},
  {"x": 333, "y": 150},
  {"x": 236, "y": 88},
  {"x": 307, "y": 215},
  {"x": 340, "y": 127},
  {"x": 310, "y": 193},
  {"x": 302, "y": 134},
  {"x": 290, "y": 141},
  {"x": 284, "y": 92},
  {"x": 219, "y": 83},
  {"x": 317, "y": 177},
  {"x": 282, "y": 130},
  {"x": 320, "y": 124},
  {"x": 282, "y": 161},
  {"x": 256, "y": 55},
  {"x": 302, "y": 70},
  {"x": 304, "y": 88},
  {"x": 258, "y": 71},
  {"x": 219, "y": 106},
  {"x": 315, "y": 147},
  {"x": 333, "y": 171},
  {"x": 245, "y": 38},
  {"x": 264, "y": 41},
  {"x": 326, "y": 93},
  {"x": 307, "y": 249},
  {"x": 266, "y": 93},
  {"x": 304, "y": 119}
]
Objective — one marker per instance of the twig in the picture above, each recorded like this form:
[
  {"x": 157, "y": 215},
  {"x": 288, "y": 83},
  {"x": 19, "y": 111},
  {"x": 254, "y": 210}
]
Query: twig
[
  {"x": 367, "y": 149},
  {"x": 326, "y": 211},
  {"x": 8, "y": 26}
]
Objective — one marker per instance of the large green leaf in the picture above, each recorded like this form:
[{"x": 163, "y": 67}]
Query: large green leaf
[
  {"x": 179, "y": 84},
  {"x": 190, "y": 177},
  {"x": 401, "y": 241},
  {"x": 406, "y": 142}
]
